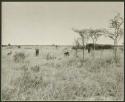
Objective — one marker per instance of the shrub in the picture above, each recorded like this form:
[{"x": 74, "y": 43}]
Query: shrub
[
  {"x": 3, "y": 45},
  {"x": 19, "y": 57},
  {"x": 35, "y": 68},
  {"x": 50, "y": 57}
]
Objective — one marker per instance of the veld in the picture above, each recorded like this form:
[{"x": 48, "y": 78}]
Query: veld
[{"x": 53, "y": 76}]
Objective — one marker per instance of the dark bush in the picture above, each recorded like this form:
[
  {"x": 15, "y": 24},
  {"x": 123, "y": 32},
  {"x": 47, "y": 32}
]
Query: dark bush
[
  {"x": 19, "y": 57},
  {"x": 35, "y": 68}
]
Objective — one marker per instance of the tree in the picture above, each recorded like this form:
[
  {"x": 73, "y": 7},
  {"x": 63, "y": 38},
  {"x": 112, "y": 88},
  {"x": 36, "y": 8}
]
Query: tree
[
  {"x": 116, "y": 24},
  {"x": 77, "y": 45},
  {"x": 84, "y": 36},
  {"x": 95, "y": 34}
]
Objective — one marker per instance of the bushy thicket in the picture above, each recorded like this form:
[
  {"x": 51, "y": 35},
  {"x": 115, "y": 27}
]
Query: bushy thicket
[{"x": 19, "y": 57}]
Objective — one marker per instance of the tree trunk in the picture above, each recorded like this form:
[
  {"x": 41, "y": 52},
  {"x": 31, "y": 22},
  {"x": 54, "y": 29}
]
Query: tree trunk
[
  {"x": 93, "y": 48},
  {"x": 115, "y": 50},
  {"x": 76, "y": 52},
  {"x": 83, "y": 47},
  {"x": 83, "y": 53}
]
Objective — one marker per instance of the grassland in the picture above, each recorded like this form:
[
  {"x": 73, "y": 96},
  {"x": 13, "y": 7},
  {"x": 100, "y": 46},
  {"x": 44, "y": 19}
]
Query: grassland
[{"x": 53, "y": 76}]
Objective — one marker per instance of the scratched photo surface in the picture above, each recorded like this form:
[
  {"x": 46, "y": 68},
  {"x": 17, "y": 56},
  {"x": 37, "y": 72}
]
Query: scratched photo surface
[{"x": 62, "y": 51}]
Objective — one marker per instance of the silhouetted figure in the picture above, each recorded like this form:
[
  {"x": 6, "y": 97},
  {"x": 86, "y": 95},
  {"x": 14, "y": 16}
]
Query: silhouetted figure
[
  {"x": 9, "y": 44},
  {"x": 66, "y": 53},
  {"x": 56, "y": 46},
  {"x": 37, "y": 52},
  {"x": 19, "y": 46}
]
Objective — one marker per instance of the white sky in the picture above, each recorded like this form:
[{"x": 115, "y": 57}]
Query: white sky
[{"x": 46, "y": 23}]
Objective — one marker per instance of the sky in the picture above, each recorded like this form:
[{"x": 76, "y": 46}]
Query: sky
[{"x": 47, "y": 23}]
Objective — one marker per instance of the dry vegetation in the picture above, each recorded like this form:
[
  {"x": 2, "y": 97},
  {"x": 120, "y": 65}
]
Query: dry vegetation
[{"x": 53, "y": 76}]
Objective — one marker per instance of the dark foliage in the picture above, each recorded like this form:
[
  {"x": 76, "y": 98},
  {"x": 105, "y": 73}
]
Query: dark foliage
[{"x": 99, "y": 46}]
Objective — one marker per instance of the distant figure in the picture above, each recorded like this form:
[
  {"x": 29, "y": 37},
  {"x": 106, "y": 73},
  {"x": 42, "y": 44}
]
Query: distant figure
[
  {"x": 66, "y": 53},
  {"x": 9, "y": 44},
  {"x": 37, "y": 52},
  {"x": 56, "y": 46},
  {"x": 9, "y": 53},
  {"x": 19, "y": 46}
]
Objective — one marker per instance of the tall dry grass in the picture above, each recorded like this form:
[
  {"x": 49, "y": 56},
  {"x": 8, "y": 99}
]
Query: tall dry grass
[{"x": 63, "y": 78}]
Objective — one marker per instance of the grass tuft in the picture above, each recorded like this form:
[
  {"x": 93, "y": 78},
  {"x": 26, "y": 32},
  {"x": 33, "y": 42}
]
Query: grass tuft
[{"x": 19, "y": 57}]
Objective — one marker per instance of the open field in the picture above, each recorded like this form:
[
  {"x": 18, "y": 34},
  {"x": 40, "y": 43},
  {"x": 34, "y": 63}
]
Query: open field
[{"x": 53, "y": 76}]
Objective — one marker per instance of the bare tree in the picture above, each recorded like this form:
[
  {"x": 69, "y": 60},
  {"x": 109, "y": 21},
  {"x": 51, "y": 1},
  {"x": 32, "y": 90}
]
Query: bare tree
[
  {"x": 84, "y": 36},
  {"x": 116, "y": 24}
]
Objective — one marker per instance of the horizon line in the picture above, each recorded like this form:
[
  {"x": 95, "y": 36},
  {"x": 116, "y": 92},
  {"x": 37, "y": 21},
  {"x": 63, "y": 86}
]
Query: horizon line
[{"x": 51, "y": 44}]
